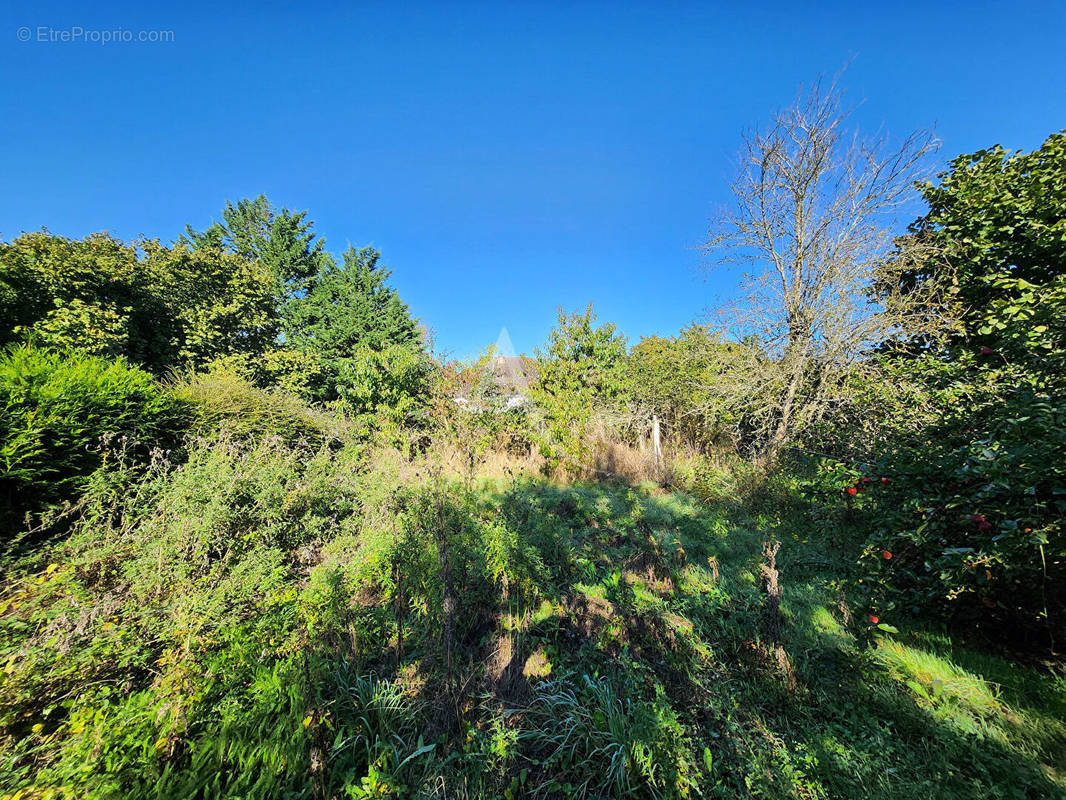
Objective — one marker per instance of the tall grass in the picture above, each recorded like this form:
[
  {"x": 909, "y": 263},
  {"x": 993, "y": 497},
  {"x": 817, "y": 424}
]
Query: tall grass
[{"x": 318, "y": 616}]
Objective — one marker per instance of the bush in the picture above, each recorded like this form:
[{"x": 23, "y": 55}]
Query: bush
[
  {"x": 57, "y": 413},
  {"x": 582, "y": 368},
  {"x": 972, "y": 517},
  {"x": 223, "y": 399}
]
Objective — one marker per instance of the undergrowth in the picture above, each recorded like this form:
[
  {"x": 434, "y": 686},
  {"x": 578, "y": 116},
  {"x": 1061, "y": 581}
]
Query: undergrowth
[{"x": 299, "y": 617}]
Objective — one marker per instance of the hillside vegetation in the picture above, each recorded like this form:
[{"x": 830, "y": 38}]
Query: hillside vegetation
[{"x": 259, "y": 541}]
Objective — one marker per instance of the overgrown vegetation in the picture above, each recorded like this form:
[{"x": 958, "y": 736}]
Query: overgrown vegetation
[{"x": 260, "y": 542}]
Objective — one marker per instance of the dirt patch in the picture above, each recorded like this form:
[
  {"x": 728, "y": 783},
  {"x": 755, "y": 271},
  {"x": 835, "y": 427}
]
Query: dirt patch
[
  {"x": 566, "y": 508},
  {"x": 307, "y": 556},
  {"x": 537, "y": 665},
  {"x": 505, "y": 668},
  {"x": 651, "y": 637}
]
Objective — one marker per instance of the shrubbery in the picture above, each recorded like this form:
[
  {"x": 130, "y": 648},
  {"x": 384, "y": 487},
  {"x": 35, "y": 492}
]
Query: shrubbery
[
  {"x": 582, "y": 369},
  {"x": 221, "y": 399},
  {"x": 60, "y": 415},
  {"x": 973, "y": 517}
]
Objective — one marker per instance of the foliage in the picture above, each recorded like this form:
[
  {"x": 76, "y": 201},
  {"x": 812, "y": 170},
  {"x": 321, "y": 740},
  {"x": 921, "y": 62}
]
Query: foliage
[
  {"x": 281, "y": 240},
  {"x": 469, "y": 412},
  {"x": 255, "y": 294},
  {"x": 599, "y": 744},
  {"x": 58, "y": 413},
  {"x": 997, "y": 219},
  {"x": 349, "y": 310},
  {"x": 223, "y": 400},
  {"x": 95, "y": 294},
  {"x": 220, "y": 306},
  {"x": 676, "y": 378},
  {"x": 387, "y": 389},
  {"x": 159, "y": 307},
  {"x": 582, "y": 368},
  {"x": 265, "y": 619},
  {"x": 974, "y": 514}
]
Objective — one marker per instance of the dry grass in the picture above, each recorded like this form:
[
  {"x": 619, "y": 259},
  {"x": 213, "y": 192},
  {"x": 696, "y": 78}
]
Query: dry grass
[{"x": 621, "y": 461}]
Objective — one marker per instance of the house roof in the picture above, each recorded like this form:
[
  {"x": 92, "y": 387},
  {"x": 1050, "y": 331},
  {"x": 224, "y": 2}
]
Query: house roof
[{"x": 512, "y": 373}]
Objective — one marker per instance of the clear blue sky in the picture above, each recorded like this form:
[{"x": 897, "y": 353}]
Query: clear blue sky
[{"x": 507, "y": 158}]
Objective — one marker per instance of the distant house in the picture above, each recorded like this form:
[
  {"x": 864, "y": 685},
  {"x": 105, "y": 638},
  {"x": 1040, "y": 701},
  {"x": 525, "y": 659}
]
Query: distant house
[{"x": 511, "y": 376}]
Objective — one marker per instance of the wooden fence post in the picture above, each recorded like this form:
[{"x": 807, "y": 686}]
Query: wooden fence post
[{"x": 657, "y": 445}]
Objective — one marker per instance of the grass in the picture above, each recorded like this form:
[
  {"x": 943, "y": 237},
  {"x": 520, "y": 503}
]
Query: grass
[{"x": 268, "y": 619}]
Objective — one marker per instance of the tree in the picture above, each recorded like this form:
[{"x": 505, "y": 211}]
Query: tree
[
  {"x": 813, "y": 213},
  {"x": 998, "y": 220},
  {"x": 583, "y": 367},
  {"x": 93, "y": 294},
  {"x": 975, "y": 510},
  {"x": 160, "y": 307},
  {"x": 220, "y": 306},
  {"x": 677, "y": 377},
  {"x": 348, "y": 309},
  {"x": 282, "y": 240}
]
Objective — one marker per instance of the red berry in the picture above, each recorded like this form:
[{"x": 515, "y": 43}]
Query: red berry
[
  {"x": 874, "y": 619},
  {"x": 978, "y": 518},
  {"x": 987, "y": 351},
  {"x": 885, "y": 554},
  {"x": 885, "y": 480},
  {"x": 865, "y": 480},
  {"x": 984, "y": 525},
  {"x": 852, "y": 490}
]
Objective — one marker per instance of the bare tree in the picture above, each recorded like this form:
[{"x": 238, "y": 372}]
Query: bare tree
[{"x": 814, "y": 208}]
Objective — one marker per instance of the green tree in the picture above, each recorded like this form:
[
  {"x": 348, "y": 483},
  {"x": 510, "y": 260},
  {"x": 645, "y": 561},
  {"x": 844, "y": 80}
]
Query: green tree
[
  {"x": 350, "y": 309},
  {"x": 583, "y": 368},
  {"x": 160, "y": 307},
  {"x": 282, "y": 240},
  {"x": 220, "y": 306},
  {"x": 974, "y": 512},
  {"x": 94, "y": 294},
  {"x": 996, "y": 218},
  {"x": 677, "y": 378}
]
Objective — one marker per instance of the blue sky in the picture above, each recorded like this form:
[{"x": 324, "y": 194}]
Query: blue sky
[{"x": 507, "y": 158}]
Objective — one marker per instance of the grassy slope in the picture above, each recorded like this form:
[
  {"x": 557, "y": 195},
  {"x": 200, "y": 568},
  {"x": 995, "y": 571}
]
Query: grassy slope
[{"x": 230, "y": 629}]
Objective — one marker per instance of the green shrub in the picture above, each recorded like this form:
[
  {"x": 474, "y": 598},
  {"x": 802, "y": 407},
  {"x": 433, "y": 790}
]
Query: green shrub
[
  {"x": 222, "y": 399},
  {"x": 58, "y": 413},
  {"x": 972, "y": 517},
  {"x": 581, "y": 369}
]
